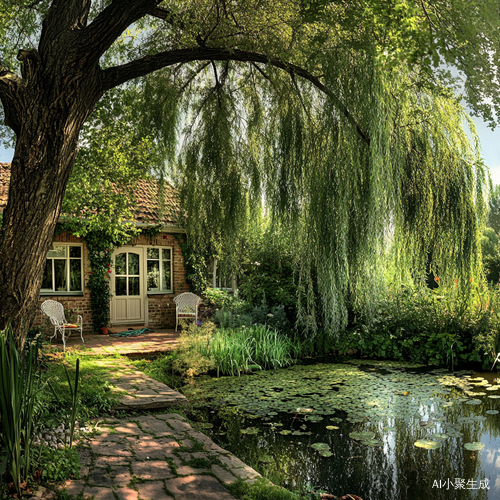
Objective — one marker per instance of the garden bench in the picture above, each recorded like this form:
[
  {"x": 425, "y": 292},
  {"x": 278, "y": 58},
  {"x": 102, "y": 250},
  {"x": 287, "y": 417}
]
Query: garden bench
[
  {"x": 186, "y": 306},
  {"x": 55, "y": 311}
]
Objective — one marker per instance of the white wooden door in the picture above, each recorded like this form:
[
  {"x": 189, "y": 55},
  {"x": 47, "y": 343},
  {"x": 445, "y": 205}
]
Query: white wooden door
[{"x": 127, "y": 304}]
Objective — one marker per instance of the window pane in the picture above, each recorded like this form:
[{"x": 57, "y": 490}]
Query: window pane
[
  {"x": 75, "y": 251},
  {"x": 59, "y": 251},
  {"x": 133, "y": 286},
  {"x": 47, "y": 275},
  {"x": 153, "y": 275},
  {"x": 120, "y": 286},
  {"x": 166, "y": 253},
  {"x": 153, "y": 253},
  {"x": 75, "y": 275},
  {"x": 121, "y": 264},
  {"x": 166, "y": 278},
  {"x": 60, "y": 274},
  {"x": 133, "y": 264}
]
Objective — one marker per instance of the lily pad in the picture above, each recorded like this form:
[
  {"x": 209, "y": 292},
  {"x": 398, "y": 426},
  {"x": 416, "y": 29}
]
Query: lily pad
[
  {"x": 473, "y": 402},
  {"x": 474, "y": 446},
  {"x": 285, "y": 432},
  {"x": 427, "y": 444},
  {"x": 332, "y": 427},
  {"x": 440, "y": 436},
  {"x": 320, "y": 446},
  {"x": 362, "y": 436},
  {"x": 492, "y": 412},
  {"x": 250, "y": 430},
  {"x": 325, "y": 453}
]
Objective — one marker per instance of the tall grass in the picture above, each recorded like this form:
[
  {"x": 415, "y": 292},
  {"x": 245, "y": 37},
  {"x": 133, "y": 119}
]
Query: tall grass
[
  {"x": 233, "y": 350},
  {"x": 19, "y": 384}
]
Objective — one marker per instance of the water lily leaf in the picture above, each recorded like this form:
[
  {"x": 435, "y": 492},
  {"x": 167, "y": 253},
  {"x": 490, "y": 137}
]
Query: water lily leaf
[
  {"x": 332, "y": 427},
  {"x": 427, "y": 444},
  {"x": 313, "y": 418},
  {"x": 440, "y": 436},
  {"x": 474, "y": 446},
  {"x": 362, "y": 436},
  {"x": 489, "y": 412},
  {"x": 320, "y": 446},
  {"x": 325, "y": 453},
  {"x": 473, "y": 402},
  {"x": 285, "y": 432},
  {"x": 250, "y": 430}
]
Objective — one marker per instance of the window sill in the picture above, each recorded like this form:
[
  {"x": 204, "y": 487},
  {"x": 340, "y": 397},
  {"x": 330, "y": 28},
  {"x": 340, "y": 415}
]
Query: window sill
[
  {"x": 161, "y": 293},
  {"x": 61, "y": 294}
]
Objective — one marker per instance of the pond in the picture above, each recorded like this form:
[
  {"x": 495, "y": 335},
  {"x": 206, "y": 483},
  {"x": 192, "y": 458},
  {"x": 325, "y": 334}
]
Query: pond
[{"x": 374, "y": 429}]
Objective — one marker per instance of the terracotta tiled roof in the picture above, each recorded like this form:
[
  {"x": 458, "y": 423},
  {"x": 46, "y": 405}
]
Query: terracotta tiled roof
[{"x": 148, "y": 206}]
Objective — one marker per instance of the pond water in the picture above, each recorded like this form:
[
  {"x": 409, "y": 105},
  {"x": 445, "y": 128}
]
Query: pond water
[{"x": 378, "y": 430}]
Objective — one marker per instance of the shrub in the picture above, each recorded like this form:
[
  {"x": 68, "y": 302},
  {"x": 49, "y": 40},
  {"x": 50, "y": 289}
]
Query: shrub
[{"x": 446, "y": 326}]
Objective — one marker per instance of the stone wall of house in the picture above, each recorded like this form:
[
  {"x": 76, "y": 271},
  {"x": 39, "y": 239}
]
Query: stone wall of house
[{"x": 161, "y": 308}]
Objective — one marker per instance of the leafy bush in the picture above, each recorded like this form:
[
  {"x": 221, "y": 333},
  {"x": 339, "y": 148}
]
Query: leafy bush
[
  {"x": 449, "y": 325},
  {"x": 233, "y": 350},
  {"x": 58, "y": 464}
]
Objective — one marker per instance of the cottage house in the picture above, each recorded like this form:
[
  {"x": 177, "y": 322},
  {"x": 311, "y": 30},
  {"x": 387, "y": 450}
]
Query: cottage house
[{"x": 146, "y": 274}]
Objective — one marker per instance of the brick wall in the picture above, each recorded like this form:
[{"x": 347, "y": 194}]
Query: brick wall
[{"x": 161, "y": 308}]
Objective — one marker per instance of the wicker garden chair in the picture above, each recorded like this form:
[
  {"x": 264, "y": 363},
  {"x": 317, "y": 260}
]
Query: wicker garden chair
[
  {"x": 186, "y": 306},
  {"x": 55, "y": 311}
]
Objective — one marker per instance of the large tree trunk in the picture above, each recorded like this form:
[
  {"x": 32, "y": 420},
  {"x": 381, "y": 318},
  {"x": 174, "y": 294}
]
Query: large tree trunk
[{"x": 50, "y": 122}]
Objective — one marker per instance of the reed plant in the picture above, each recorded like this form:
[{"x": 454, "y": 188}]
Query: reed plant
[{"x": 19, "y": 384}]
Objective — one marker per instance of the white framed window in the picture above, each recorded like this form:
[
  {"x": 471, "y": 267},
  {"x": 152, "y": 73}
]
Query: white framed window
[
  {"x": 159, "y": 270},
  {"x": 63, "y": 272}
]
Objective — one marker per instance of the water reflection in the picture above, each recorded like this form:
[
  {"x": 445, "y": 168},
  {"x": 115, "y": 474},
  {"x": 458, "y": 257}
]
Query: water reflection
[{"x": 400, "y": 408}]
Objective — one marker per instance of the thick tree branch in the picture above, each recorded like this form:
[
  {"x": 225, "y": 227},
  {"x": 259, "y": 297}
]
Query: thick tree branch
[
  {"x": 12, "y": 90},
  {"x": 117, "y": 75},
  {"x": 166, "y": 15},
  {"x": 112, "y": 22},
  {"x": 63, "y": 16}
]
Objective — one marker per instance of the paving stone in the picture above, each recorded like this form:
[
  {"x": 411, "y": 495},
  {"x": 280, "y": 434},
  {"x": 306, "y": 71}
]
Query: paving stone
[
  {"x": 115, "y": 449},
  {"x": 153, "y": 491},
  {"x": 84, "y": 457},
  {"x": 171, "y": 416},
  {"x": 129, "y": 429},
  {"x": 100, "y": 477},
  {"x": 231, "y": 461},
  {"x": 99, "y": 493},
  {"x": 206, "y": 441},
  {"x": 186, "y": 443},
  {"x": 197, "y": 487},
  {"x": 149, "y": 447},
  {"x": 74, "y": 487},
  {"x": 121, "y": 476},
  {"x": 111, "y": 461},
  {"x": 126, "y": 494},
  {"x": 179, "y": 425},
  {"x": 155, "y": 426},
  {"x": 222, "y": 474},
  {"x": 246, "y": 472},
  {"x": 200, "y": 454},
  {"x": 152, "y": 469},
  {"x": 186, "y": 470}
]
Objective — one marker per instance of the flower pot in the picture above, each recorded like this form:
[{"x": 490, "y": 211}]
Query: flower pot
[{"x": 104, "y": 330}]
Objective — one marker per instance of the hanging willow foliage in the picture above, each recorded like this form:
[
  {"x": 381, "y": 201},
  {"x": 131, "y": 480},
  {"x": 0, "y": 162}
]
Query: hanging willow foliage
[{"x": 372, "y": 172}]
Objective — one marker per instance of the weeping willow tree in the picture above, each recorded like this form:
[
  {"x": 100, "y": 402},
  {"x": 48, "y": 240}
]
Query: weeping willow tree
[
  {"x": 336, "y": 114},
  {"x": 391, "y": 182}
]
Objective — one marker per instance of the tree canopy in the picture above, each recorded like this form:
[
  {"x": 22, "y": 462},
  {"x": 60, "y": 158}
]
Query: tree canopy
[{"x": 340, "y": 113}]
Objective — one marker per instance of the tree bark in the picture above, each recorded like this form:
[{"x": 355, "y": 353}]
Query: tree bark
[{"x": 44, "y": 154}]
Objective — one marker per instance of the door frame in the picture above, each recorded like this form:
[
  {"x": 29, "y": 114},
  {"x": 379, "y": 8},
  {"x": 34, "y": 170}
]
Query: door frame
[{"x": 139, "y": 249}]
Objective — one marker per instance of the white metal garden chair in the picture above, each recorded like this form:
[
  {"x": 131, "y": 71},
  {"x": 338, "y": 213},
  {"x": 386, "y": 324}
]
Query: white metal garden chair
[
  {"x": 186, "y": 306},
  {"x": 55, "y": 311}
]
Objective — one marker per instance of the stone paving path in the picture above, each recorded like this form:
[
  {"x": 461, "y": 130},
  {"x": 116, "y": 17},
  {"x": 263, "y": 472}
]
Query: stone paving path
[
  {"x": 148, "y": 343},
  {"x": 156, "y": 457},
  {"x": 142, "y": 392}
]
